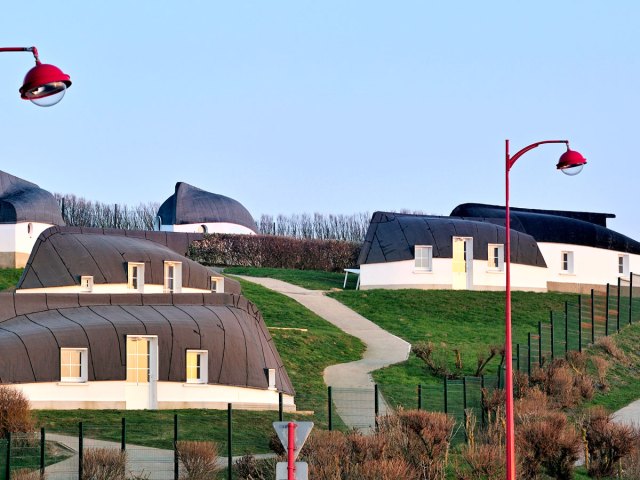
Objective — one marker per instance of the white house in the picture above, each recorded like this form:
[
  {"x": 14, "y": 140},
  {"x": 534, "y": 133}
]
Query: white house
[
  {"x": 121, "y": 319},
  {"x": 191, "y": 209},
  {"x": 550, "y": 250},
  {"x": 26, "y": 211}
]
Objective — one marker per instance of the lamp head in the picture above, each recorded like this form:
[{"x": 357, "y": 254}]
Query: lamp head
[
  {"x": 571, "y": 162},
  {"x": 45, "y": 85}
]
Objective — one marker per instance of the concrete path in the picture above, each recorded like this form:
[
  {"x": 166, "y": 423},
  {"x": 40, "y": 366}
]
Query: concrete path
[
  {"x": 629, "y": 415},
  {"x": 347, "y": 379}
]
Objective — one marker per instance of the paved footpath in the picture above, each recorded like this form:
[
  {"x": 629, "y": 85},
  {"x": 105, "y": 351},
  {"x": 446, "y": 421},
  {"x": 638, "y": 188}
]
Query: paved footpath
[{"x": 346, "y": 379}]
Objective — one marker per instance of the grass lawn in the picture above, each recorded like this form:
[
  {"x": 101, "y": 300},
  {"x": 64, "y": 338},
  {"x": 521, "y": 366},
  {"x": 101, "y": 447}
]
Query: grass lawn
[
  {"x": 311, "y": 279},
  {"x": 9, "y": 278}
]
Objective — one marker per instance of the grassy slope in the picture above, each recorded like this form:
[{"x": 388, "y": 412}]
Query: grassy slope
[
  {"x": 469, "y": 321},
  {"x": 311, "y": 279},
  {"x": 9, "y": 278}
]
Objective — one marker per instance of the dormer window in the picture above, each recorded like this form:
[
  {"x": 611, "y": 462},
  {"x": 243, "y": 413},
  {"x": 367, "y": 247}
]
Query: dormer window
[
  {"x": 136, "y": 276},
  {"x": 217, "y": 284},
  {"x": 172, "y": 277},
  {"x": 86, "y": 283}
]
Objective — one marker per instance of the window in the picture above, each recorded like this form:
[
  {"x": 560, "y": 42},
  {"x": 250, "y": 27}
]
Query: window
[
  {"x": 203, "y": 229},
  {"x": 138, "y": 359},
  {"x": 73, "y": 365},
  {"x": 496, "y": 256},
  {"x": 623, "y": 264},
  {"x": 172, "y": 277},
  {"x": 136, "y": 276},
  {"x": 217, "y": 284},
  {"x": 86, "y": 283},
  {"x": 423, "y": 257},
  {"x": 567, "y": 262},
  {"x": 196, "y": 366}
]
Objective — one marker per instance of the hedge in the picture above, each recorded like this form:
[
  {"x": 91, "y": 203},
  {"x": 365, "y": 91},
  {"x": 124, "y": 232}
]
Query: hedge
[{"x": 274, "y": 252}]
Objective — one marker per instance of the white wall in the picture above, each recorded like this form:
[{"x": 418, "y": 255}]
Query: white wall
[
  {"x": 218, "y": 227},
  {"x": 15, "y": 237},
  {"x": 404, "y": 275},
  {"x": 95, "y": 395},
  {"x": 108, "y": 288},
  {"x": 592, "y": 266}
]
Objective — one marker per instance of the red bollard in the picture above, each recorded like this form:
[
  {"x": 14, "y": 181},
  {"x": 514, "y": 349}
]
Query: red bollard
[{"x": 291, "y": 467}]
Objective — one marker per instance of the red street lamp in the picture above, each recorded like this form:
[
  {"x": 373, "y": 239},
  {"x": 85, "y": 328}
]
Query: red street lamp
[
  {"x": 570, "y": 163},
  {"x": 44, "y": 84}
]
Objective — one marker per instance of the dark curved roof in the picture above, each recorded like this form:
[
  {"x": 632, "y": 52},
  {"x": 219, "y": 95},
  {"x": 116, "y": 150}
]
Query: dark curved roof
[
  {"x": 392, "y": 237},
  {"x": 554, "y": 226},
  {"x": 22, "y": 201},
  {"x": 62, "y": 254},
  {"x": 192, "y": 205},
  {"x": 33, "y": 327}
]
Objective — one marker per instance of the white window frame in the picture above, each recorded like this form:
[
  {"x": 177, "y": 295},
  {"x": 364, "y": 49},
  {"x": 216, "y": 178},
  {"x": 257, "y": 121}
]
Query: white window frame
[
  {"x": 217, "y": 284},
  {"x": 203, "y": 374},
  {"x": 86, "y": 283},
  {"x": 84, "y": 365},
  {"x": 495, "y": 263},
  {"x": 172, "y": 284},
  {"x": 423, "y": 258},
  {"x": 567, "y": 262},
  {"x": 135, "y": 282},
  {"x": 623, "y": 264}
]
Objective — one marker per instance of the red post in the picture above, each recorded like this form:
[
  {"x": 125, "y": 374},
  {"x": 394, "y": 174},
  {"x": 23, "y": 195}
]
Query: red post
[{"x": 291, "y": 466}]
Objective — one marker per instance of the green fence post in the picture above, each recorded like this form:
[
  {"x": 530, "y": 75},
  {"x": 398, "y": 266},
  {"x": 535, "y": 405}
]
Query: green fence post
[
  {"x": 540, "y": 344},
  {"x": 229, "y": 445},
  {"x": 419, "y": 397},
  {"x": 80, "y": 450},
  {"x": 376, "y": 404},
  {"x": 176, "y": 472},
  {"x": 330, "y": 407},
  {"x": 482, "y": 388},
  {"x": 593, "y": 317},
  {"x": 529, "y": 359},
  {"x": 42, "y": 451},
  {"x": 553, "y": 335},
  {"x": 580, "y": 323},
  {"x": 280, "y": 407},
  {"x": 446, "y": 395},
  {"x": 618, "y": 307},
  {"x": 606, "y": 314},
  {"x": 566, "y": 328},
  {"x": 123, "y": 435},
  {"x": 518, "y": 356},
  {"x": 464, "y": 406},
  {"x": 7, "y": 466}
]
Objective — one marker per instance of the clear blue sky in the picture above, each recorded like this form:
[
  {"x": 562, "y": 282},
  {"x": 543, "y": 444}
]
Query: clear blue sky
[{"x": 332, "y": 106}]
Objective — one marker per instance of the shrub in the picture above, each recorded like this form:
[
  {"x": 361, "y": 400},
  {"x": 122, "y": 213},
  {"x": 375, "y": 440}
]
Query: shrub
[
  {"x": 275, "y": 252},
  {"x": 103, "y": 464},
  {"x": 608, "y": 345},
  {"x": 250, "y": 468},
  {"x": 15, "y": 411},
  {"x": 631, "y": 463},
  {"x": 481, "y": 462},
  {"x": 383, "y": 469},
  {"x": 608, "y": 442},
  {"x": 601, "y": 366},
  {"x": 26, "y": 474},
  {"x": 199, "y": 459}
]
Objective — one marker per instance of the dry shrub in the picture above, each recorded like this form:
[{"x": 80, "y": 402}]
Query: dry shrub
[
  {"x": 584, "y": 384},
  {"x": 601, "y": 366},
  {"x": 536, "y": 402},
  {"x": 103, "y": 464},
  {"x": 428, "y": 440},
  {"x": 608, "y": 442},
  {"x": 559, "y": 381},
  {"x": 481, "y": 462},
  {"x": 577, "y": 361},
  {"x": 608, "y": 345},
  {"x": 384, "y": 469},
  {"x": 520, "y": 384},
  {"x": 631, "y": 463},
  {"x": 15, "y": 411},
  {"x": 26, "y": 474},
  {"x": 546, "y": 443},
  {"x": 199, "y": 459},
  {"x": 492, "y": 401},
  {"x": 328, "y": 455},
  {"x": 250, "y": 468}
]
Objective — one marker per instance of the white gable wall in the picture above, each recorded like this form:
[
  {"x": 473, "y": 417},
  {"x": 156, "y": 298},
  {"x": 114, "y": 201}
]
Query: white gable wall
[{"x": 16, "y": 242}]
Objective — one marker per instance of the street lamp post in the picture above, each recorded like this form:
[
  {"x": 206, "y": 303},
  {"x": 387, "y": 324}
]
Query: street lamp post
[
  {"x": 45, "y": 84},
  {"x": 570, "y": 163}
]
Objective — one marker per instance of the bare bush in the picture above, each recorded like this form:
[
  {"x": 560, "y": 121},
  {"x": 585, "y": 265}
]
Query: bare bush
[
  {"x": 26, "y": 474},
  {"x": 329, "y": 455},
  {"x": 15, "y": 411},
  {"x": 481, "y": 462},
  {"x": 103, "y": 464},
  {"x": 199, "y": 459},
  {"x": 608, "y": 345},
  {"x": 608, "y": 442},
  {"x": 601, "y": 366},
  {"x": 351, "y": 228},
  {"x": 577, "y": 361},
  {"x": 631, "y": 463},
  {"x": 250, "y": 468},
  {"x": 384, "y": 469}
]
